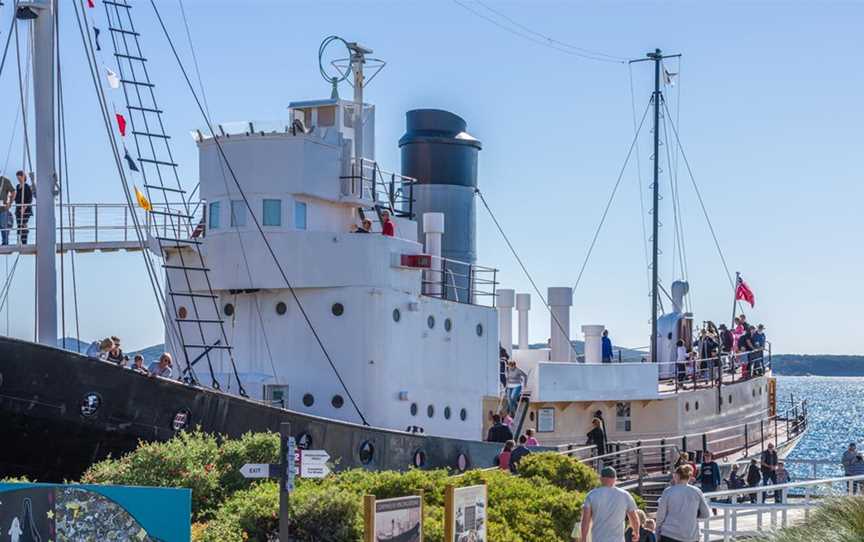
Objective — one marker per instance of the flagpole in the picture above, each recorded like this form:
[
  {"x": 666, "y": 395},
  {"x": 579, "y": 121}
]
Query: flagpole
[{"x": 734, "y": 299}]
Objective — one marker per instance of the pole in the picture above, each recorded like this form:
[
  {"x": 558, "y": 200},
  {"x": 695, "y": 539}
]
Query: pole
[
  {"x": 43, "y": 107},
  {"x": 734, "y": 301},
  {"x": 286, "y": 482},
  {"x": 657, "y": 57}
]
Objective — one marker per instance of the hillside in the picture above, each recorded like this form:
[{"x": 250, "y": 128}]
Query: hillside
[{"x": 818, "y": 365}]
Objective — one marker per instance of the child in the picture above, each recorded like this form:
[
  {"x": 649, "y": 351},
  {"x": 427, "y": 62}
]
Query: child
[{"x": 644, "y": 534}]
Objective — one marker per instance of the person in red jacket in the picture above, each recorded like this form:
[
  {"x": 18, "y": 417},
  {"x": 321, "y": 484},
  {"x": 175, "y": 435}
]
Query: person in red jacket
[{"x": 387, "y": 226}]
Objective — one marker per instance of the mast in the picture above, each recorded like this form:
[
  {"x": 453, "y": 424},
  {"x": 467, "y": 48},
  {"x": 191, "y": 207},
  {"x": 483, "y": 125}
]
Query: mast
[
  {"x": 45, "y": 180},
  {"x": 357, "y": 60}
]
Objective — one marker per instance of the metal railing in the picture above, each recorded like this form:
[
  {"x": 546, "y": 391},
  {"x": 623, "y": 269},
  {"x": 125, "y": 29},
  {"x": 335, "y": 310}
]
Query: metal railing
[
  {"x": 83, "y": 223},
  {"x": 462, "y": 282},
  {"x": 794, "y": 496},
  {"x": 378, "y": 188}
]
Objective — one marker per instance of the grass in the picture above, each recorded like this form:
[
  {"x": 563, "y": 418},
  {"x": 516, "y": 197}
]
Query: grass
[{"x": 839, "y": 520}]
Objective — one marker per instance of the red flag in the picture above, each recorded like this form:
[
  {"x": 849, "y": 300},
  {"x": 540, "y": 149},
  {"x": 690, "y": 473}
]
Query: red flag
[
  {"x": 91, "y": 4},
  {"x": 121, "y": 124},
  {"x": 744, "y": 293}
]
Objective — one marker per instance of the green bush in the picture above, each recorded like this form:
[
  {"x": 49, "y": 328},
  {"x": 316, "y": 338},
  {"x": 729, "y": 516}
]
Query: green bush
[
  {"x": 838, "y": 520},
  {"x": 560, "y": 470}
]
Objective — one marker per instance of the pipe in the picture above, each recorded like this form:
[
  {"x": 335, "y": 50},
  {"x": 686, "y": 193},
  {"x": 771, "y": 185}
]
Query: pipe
[
  {"x": 560, "y": 299},
  {"x": 523, "y": 305},
  {"x": 505, "y": 302},
  {"x": 433, "y": 228},
  {"x": 593, "y": 343}
]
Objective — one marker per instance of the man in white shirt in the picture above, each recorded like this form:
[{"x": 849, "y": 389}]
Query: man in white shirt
[
  {"x": 680, "y": 508},
  {"x": 605, "y": 510}
]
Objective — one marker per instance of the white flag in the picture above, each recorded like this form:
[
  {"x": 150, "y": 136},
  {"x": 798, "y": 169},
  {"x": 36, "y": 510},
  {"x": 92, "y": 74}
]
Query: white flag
[
  {"x": 669, "y": 77},
  {"x": 113, "y": 78}
]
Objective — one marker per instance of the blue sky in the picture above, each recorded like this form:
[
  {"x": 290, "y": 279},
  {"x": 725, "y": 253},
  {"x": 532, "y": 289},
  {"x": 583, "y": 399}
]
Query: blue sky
[{"x": 770, "y": 120}]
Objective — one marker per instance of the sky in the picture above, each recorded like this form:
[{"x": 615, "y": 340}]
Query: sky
[{"x": 768, "y": 104}]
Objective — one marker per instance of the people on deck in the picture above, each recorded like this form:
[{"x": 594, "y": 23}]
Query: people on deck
[
  {"x": 709, "y": 473},
  {"x": 681, "y": 359},
  {"x": 516, "y": 379},
  {"x": 503, "y": 358},
  {"x": 138, "y": 365},
  {"x": 725, "y": 339},
  {"x": 7, "y": 196},
  {"x": 24, "y": 195},
  {"x": 99, "y": 349},
  {"x": 607, "y": 347},
  {"x": 604, "y": 511},
  {"x": 531, "y": 440},
  {"x": 520, "y": 451},
  {"x": 163, "y": 367},
  {"x": 596, "y": 436},
  {"x": 753, "y": 478},
  {"x": 505, "y": 455},
  {"x": 498, "y": 432},
  {"x": 115, "y": 353},
  {"x": 364, "y": 227},
  {"x": 387, "y": 226},
  {"x": 679, "y": 509}
]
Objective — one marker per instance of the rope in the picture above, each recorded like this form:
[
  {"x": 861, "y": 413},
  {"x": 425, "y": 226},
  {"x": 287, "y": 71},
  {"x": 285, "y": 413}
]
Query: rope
[
  {"x": 611, "y": 199},
  {"x": 544, "y": 41},
  {"x": 8, "y": 41},
  {"x": 253, "y": 214},
  {"x": 642, "y": 221}
]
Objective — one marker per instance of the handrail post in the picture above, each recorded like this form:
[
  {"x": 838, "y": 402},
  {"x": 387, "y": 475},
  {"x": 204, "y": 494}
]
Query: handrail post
[
  {"x": 663, "y": 455},
  {"x": 639, "y": 465},
  {"x": 746, "y": 441},
  {"x": 683, "y": 443},
  {"x": 96, "y": 222},
  {"x": 726, "y": 525},
  {"x": 704, "y": 443},
  {"x": 762, "y": 434}
]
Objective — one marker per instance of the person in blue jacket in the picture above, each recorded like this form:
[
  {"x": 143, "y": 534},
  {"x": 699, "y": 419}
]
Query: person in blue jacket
[
  {"x": 607, "y": 347},
  {"x": 709, "y": 473}
]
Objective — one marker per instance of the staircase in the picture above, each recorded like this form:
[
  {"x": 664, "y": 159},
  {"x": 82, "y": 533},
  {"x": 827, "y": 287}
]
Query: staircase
[{"x": 189, "y": 299}]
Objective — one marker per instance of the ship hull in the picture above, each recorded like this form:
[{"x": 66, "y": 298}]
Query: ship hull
[{"x": 61, "y": 412}]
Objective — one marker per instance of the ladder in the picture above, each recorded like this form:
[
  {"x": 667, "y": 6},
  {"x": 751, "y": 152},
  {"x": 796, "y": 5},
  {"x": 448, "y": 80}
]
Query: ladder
[{"x": 189, "y": 299}]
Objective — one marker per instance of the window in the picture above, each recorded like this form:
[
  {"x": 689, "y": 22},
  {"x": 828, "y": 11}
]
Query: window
[
  {"x": 238, "y": 213},
  {"x": 622, "y": 417},
  {"x": 396, "y": 315},
  {"x": 479, "y": 330},
  {"x": 348, "y": 117},
  {"x": 430, "y": 321},
  {"x": 463, "y": 414},
  {"x": 448, "y": 325},
  {"x": 281, "y": 308},
  {"x": 327, "y": 115},
  {"x": 308, "y": 399},
  {"x": 272, "y": 212},
  {"x": 214, "y": 215},
  {"x": 447, "y": 413},
  {"x": 337, "y": 401},
  {"x": 413, "y": 409},
  {"x": 299, "y": 215},
  {"x": 338, "y": 309},
  {"x": 430, "y": 411}
]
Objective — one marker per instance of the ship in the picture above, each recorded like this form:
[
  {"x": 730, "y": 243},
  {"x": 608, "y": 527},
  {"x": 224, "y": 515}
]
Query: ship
[{"x": 302, "y": 281}]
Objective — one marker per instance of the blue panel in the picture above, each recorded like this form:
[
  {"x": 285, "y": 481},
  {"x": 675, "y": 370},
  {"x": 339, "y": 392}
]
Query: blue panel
[
  {"x": 214, "y": 215},
  {"x": 299, "y": 215},
  {"x": 238, "y": 213},
  {"x": 272, "y": 212}
]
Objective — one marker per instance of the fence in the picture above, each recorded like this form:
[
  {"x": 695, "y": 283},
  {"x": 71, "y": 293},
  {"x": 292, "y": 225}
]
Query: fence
[
  {"x": 462, "y": 282},
  {"x": 379, "y": 188}
]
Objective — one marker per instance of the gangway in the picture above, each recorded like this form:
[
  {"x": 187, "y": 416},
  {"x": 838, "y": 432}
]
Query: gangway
[{"x": 102, "y": 227}]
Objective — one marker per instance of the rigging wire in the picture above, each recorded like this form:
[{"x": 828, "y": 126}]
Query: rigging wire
[
  {"x": 611, "y": 199},
  {"x": 8, "y": 41},
  {"x": 253, "y": 214},
  {"x": 194, "y": 56},
  {"x": 642, "y": 220},
  {"x": 546, "y": 42}
]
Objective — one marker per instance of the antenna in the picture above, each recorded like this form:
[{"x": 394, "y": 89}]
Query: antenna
[{"x": 354, "y": 64}]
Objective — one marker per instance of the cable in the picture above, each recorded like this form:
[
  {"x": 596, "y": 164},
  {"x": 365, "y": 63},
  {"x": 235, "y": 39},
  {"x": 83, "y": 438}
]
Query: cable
[
  {"x": 642, "y": 220},
  {"x": 611, "y": 199},
  {"x": 8, "y": 40},
  {"x": 194, "y": 56},
  {"x": 253, "y": 215},
  {"x": 545, "y": 42}
]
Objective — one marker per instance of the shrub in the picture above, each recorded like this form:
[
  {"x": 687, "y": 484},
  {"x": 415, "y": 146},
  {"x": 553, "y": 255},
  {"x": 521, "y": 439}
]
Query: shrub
[
  {"x": 838, "y": 520},
  {"x": 560, "y": 470}
]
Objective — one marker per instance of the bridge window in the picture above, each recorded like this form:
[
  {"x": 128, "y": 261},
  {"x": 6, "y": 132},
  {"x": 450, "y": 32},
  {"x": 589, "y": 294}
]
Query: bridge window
[
  {"x": 238, "y": 213},
  {"x": 272, "y": 212},
  {"x": 622, "y": 417},
  {"x": 299, "y": 215},
  {"x": 214, "y": 215},
  {"x": 327, "y": 115}
]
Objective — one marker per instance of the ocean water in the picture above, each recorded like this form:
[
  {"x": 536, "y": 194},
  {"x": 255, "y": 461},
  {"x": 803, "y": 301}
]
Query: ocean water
[{"x": 835, "y": 416}]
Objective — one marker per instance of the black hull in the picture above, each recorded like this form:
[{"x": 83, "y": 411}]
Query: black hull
[{"x": 48, "y": 438}]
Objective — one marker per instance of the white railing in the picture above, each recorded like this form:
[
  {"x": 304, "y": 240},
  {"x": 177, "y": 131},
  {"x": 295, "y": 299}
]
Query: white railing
[
  {"x": 367, "y": 182},
  {"x": 801, "y": 497}
]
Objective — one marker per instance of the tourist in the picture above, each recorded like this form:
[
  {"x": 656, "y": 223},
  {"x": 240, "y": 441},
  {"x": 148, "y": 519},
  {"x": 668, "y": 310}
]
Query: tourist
[
  {"x": 162, "y": 367},
  {"x": 387, "y": 227},
  {"x": 115, "y": 354},
  {"x": 651, "y": 527},
  {"x": 783, "y": 477},
  {"x": 604, "y": 511},
  {"x": 645, "y": 534},
  {"x": 498, "y": 432},
  {"x": 681, "y": 358},
  {"x": 684, "y": 459},
  {"x": 759, "y": 337},
  {"x": 599, "y": 415},
  {"x": 734, "y": 481},
  {"x": 364, "y": 227},
  {"x": 504, "y": 456},
  {"x": 24, "y": 195},
  {"x": 709, "y": 473},
  {"x": 849, "y": 457},
  {"x": 518, "y": 453},
  {"x": 753, "y": 478},
  {"x": 769, "y": 466},
  {"x": 680, "y": 507},
  {"x": 138, "y": 365},
  {"x": 507, "y": 419},
  {"x": 857, "y": 469},
  {"x": 725, "y": 339},
  {"x": 7, "y": 194},
  {"x": 596, "y": 436},
  {"x": 99, "y": 349},
  {"x": 531, "y": 440},
  {"x": 607, "y": 347},
  {"x": 503, "y": 358},
  {"x": 516, "y": 378}
]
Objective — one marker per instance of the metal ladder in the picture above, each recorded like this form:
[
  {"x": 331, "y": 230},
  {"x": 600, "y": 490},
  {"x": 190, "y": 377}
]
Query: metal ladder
[{"x": 161, "y": 183}]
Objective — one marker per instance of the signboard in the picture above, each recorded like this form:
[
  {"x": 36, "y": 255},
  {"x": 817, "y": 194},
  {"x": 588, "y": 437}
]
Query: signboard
[
  {"x": 465, "y": 513},
  {"x": 289, "y": 462},
  {"x": 545, "y": 420},
  {"x": 94, "y": 512},
  {"x": 259, "y": 470},
  {"x": 393, "y": 520}
]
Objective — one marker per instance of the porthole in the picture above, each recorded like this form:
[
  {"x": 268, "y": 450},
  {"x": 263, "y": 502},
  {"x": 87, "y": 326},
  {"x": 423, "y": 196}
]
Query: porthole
[
  {"x": 753, "y": 391},
  {"x": 531, "y": 415},
  {"x": 413, "y": 409},
  {"x": 228, "y": 309},
  {"x": 687, "y": 406},
  {"x": 181, "y": 420},
  {"x": 182, "y": 313},
  {"x": 760, "y": 391},
  {"x": 462, "y": 463},
  {"x": 479, "y": 330},
  {"x": 463, "y": 414},
  {"x": 447, "y": 413},
  {"x": 430, "y": 321},
  {"x": 397, "y": 315},
  {"x": 430, "y": 411},
  {"x": 337, "y": 309},
  {"x": 281, "y": 308},
  {"x": 696, "y": 406},
  {"x": 419, "y": 459},
  {"x": 366, "y": 452},
  {"x": 90, "y": 404},
  {"x": 308, "y": 399},
  {"x": 448, "y": 324},
  {"x": 337, "y": 401}
]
